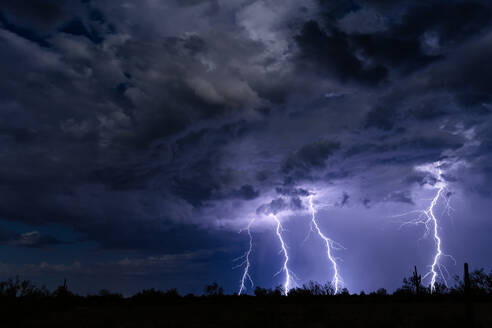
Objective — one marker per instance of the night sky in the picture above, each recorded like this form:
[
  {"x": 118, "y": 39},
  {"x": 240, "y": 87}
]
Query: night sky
[{"x": 138, "y": 139}]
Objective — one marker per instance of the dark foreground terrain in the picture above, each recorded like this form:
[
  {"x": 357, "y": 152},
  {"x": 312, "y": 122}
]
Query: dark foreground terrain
[
  {"x": 422, "y": 314},
  {"x": 467, "y": 304}
]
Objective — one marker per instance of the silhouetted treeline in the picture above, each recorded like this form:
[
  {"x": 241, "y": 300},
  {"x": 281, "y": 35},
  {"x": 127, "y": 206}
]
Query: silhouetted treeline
[
  {"x": 464, "y": 304},
  {"x": 16, "y": 291}
]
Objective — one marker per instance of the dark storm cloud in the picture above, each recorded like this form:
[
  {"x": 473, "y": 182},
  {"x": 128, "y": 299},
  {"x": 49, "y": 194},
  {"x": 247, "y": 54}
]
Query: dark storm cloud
[
  {"x": 332, "y": 54},
  {"x": 310, "y": 156},
  {"x": 274, "y": 207},
  {"x": 292, "y": 191},
  {"x": 133, "y": 128},
  {"x": 195, "y": 2},
  {"x": 246, "y": 192},
  {"x": 279, "y": 205},
  {"x": 78, "y": 28},
  {"x": 40, "y": 21},
  {"x": 343, "y": 200},
  {"x": 466, "y": 76},
  {"x": 32, "y": 239},
  {"x": 401, "y": 196},
  {"x": 457, "y": 21},
  {"x": 401, "y": 144},
  {"x": 35, "y": 12},
  {"x": 407, "y": 43}
]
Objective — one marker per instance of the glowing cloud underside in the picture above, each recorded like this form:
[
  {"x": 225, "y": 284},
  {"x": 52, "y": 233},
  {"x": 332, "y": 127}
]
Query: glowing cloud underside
[
  {"x": 329, "y": 245},
  {"x": 246, "y": 261},
  {"x": 426, "y": 217},
  {"x": 285, "y": 268}
]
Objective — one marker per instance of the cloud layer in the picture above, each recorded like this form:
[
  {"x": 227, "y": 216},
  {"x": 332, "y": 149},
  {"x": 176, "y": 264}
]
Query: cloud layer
[{"x": 140, "y": 121}]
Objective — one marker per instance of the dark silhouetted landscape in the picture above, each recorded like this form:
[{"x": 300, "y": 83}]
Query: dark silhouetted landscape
[{"x": 467, "y": 304}]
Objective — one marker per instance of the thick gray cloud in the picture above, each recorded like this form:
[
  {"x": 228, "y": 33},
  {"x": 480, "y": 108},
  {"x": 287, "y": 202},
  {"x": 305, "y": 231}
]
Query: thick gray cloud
[{"x": 144, "y": 124}]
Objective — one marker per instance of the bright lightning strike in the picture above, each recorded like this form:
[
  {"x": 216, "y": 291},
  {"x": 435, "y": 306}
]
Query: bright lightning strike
[
  {"x": 431, "y": 216},
  {"x": 428, "y": 218},
  {"x": 288, "y": 279},
  {"x": 246, "y": 262},
  {"x": 329, "y": 245}
]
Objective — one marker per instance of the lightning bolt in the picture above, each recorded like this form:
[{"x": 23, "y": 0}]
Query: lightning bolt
[
  {"x": 245, "y": 261},
  {"x": 431, "y": 217},
  {"x": 428, "y": 218},
  {"x": 329, "y": 245},
  {"x": 285, "y": 268},
  {"x": 432, "y": 224}
]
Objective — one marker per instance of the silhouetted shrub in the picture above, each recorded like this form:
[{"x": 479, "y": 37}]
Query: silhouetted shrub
[
  {"x": 312, "y": 289},
  {"x": 381, "y": 292},
  {"x": 261, "y": 292},
  {"x": 345, "y": 292},
  {"x": 480, "y": 283},
  {"x": 21, "y": 289},
  {"x": 214, "y": 290}
]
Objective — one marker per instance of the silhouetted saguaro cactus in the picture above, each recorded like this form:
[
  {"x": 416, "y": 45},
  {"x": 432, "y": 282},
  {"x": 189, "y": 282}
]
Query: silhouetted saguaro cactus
[
  {"x": 416, "y": 281},
  {"x": 468, "y": 299}
]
